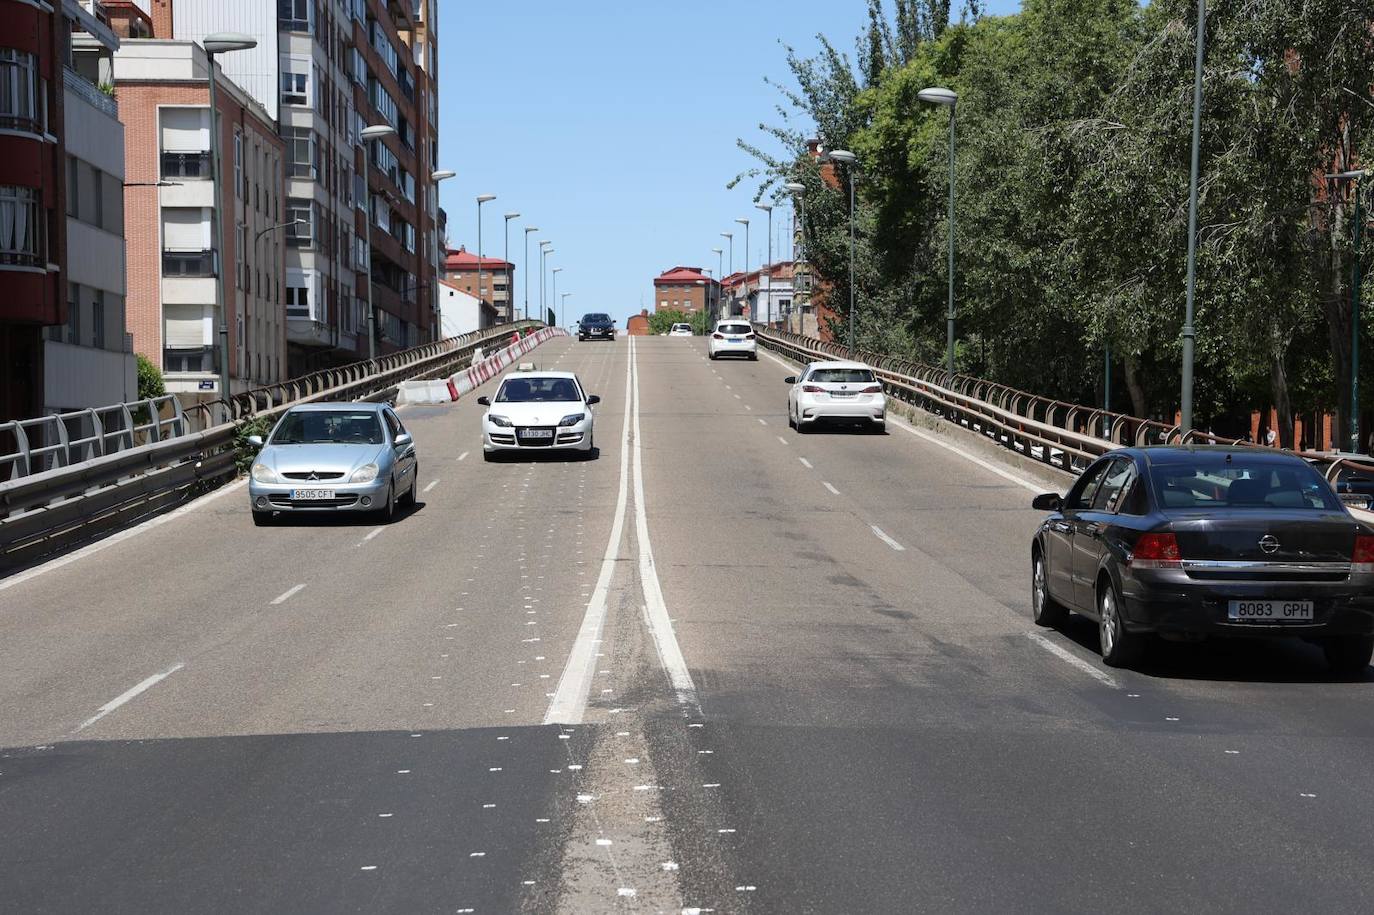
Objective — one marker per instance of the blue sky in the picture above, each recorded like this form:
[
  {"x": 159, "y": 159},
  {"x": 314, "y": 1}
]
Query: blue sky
[{"x": 611, "y": 125}]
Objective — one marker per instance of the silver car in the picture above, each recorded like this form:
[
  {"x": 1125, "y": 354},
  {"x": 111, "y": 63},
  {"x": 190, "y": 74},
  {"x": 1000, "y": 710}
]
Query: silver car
[{"x": 351, "y": 457}]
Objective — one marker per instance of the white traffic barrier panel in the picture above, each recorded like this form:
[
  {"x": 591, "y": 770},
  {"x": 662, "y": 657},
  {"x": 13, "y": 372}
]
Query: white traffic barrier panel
[
  {"x": 482, "y": 372},
  {"x": 423, "y": 392}
]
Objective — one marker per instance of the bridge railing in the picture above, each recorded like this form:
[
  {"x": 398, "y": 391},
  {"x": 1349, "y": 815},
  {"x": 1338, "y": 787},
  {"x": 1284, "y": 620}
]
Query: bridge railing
[{"x": 74, "y": 476}]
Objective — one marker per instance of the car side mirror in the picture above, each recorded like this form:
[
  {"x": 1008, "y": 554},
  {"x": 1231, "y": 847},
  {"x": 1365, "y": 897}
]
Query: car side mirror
[
  {"x": 484, "y": 400},
  {"x": 790, "y": 379},
  {"x": 255, "y": 441},
  {"x": 1048, "y": 502},
  {"x": 403, "y": 439},
  {"x": 593, "y": 399}
]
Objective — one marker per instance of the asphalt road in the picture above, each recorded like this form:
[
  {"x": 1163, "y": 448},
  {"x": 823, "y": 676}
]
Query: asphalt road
[{"x": 723, "y": 666}]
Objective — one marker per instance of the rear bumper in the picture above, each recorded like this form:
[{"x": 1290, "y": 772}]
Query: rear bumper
[
  {"x": 1173, "y": 603},
  {"x": 726, "y": 348},
  {"x": 874, "y": 410}
]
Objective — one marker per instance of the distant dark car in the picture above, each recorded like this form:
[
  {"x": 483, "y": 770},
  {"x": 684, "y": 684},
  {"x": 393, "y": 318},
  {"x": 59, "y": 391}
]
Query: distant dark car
[
  {"x": 1190, "y": 542},
  {"x": 596, "y": 325},
  {"x": 1354, "y": 483}
]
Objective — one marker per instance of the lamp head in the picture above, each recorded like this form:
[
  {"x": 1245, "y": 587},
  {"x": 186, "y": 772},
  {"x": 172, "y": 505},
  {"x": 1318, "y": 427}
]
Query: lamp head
[
  {"x": 794, "y": 187},
  {"x": 529, "y": 229},
  {"x": 766, "y": 207},
  {"x": 377, "y": 131},
  {"x": 938, "y": 96},
  {"x": 844, "y": 156},
  {"x": 222, "y": 42},
  {"x": 510, "y": 216},
  {"x": 442, "y": 175},
  {"x": 485, "y": 198},
  {"x": 743, "y": 221}
]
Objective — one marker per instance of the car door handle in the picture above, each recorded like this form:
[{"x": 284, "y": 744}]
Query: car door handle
[{"x": 1062, "y": 527}]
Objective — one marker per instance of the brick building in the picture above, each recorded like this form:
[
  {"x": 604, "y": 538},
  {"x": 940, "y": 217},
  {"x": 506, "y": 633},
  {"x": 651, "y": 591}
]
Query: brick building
[
  {"x": 686, "y": 289},
  {"x": 62, "y": 340},
  {"x": 163, "y": 87},
  {"x": 498, "y": 279}
]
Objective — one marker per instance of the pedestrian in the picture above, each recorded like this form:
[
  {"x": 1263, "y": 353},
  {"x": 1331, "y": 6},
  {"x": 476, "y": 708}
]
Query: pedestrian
[{"x": 1271, "y": 439}]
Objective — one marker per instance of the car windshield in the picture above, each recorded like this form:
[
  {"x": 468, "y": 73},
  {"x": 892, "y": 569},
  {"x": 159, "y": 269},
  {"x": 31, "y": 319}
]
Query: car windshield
[
  {"x": 538, "y": 390},
  {"x": 319, "y": 427},
  {"x": 682, "y": 327},
  {"x": 841, "y": 376},
  {"x": 1212, "y": 481},
  {"x": 597, "y": 319},
  {"x": 733, "y": 328}
]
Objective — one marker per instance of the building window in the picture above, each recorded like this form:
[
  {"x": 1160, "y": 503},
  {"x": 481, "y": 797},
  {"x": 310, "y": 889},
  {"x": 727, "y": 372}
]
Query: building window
[
  {"x": 97, "y": 198},
  {"x": 98, "y": 319},
  {"x": 303, "y": 150},
  {"x": 73, "y": 187},
  {"x": 294, "y": 15},
  {"x": 238, "y": 164},
  {"x": 74, "y": 313},
  {"x": 21, "y": 227},
  {"x": 301, "y": 233},
  {"x": 241, "y": 257},
  {"x": 295, "y": 87},
  {"x": 22, "y": 103}
]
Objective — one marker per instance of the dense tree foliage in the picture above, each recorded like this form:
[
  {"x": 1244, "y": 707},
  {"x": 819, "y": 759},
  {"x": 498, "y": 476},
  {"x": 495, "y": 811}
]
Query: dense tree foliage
[{"x": 1073, "y": 130}]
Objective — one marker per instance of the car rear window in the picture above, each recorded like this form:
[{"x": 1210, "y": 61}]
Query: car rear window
[
  {"x": 841, "y": 376},
  {"x": 1210, "y": 481},
  {"x": 734, "y": 328},
  {"x": 538, "y": 390},
  {"x": 316, "y": 427}
]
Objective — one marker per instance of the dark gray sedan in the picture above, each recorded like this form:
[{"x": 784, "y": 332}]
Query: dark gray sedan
[
  {"x": 1191, "y": 542},
  {"x": 351, "y": 457}
]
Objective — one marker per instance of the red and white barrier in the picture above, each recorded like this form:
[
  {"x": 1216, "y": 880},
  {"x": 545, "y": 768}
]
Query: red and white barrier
[{"x": 446, "y": 390}]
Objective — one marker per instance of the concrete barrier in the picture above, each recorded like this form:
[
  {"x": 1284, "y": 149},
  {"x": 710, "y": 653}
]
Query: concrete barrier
[{"x": 447, "y": 390}]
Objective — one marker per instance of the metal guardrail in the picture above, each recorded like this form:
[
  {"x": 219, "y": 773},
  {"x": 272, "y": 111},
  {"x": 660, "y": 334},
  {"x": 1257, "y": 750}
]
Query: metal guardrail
[
  {"x": 87, "y": 483},
  {"x": 1063, "y": 435}
]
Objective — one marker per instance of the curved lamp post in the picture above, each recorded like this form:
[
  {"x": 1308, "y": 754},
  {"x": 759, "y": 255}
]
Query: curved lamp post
[
  {"x": 436, "y": 327},
  {"x": 744, "y": 281},
  {"x": 850, "y": 161},
  {"x": 375, "y": 132},
  {"x": 948, "y": 98},
  {"x": 510, "y": 293},
  {"x": 768, "y": 208},
  {"x": 525, "y": 265}
]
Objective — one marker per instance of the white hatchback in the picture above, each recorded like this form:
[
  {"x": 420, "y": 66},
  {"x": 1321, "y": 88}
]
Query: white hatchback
[
  {"x": 681, "y": 330},
  {"x": 838, "y": 391},
  {"x": 539, "y": 411},
  {"x": 733, "y": 337}
]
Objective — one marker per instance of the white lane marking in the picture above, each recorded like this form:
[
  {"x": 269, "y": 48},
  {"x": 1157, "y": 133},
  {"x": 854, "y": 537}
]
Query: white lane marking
[
  {"x": 806, "y": 463},
  {"x": 127, "y": 695},
  {"x": 655, "y": 609},
  {"x": 121, "y": 536},
  {"x": 833, "y": 490},
  {"x": 570, "y": 697},
  {"x": 463, "y": 455},
  {"x": 878, "y": 532},
  {"x": 431, "y": 485},
  {"x": 781, "y": 439},
  {"x": 286, "y": 596},
  {"x": 1064, "y": 654},
  {"x": 935, "y": 440},
  {"x": 373, "y": 533},
  {"x": 763, "y": 422}
]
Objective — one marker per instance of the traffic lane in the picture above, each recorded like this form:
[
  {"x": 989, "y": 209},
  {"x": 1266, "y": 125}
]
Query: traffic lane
[
  {"x": 74, "y": 637},
  {"x": 455, "y": 618},
  {"x": 791, "y": 666},
  {"x": 356, "y": 822}
]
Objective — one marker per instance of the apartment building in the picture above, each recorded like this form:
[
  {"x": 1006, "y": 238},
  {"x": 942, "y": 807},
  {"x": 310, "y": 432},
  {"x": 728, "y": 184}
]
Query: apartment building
[
  {"x": 766, "y": 295},
  {"x": 685, "y": 289},
  {"x": 462, "y": 270},
  {"x": 163, "y": 86},
  {"x": 62, "y": 339}
]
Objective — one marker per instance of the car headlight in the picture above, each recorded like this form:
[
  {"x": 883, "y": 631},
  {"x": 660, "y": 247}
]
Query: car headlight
[
  {"x": 364, "y": 474},
  {"x": 499, "y": 421},
  {"x": 572, "y": 419},
  {"x": 264, "y": 474}
]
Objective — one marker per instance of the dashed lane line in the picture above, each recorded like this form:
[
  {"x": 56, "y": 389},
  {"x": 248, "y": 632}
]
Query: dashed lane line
[
  {"x": 129, "y": 695},
  {"x": 833, "y": 490},
  {"x": 287, "y": 595},
  {"x": 1069, "y": 657},
  {"x": 878, "y": 532}
]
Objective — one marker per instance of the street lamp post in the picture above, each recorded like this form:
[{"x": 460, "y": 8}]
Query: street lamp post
[
  {"x": 510, "y": 293},
  {"x": 720, "y": 272},
  {"x": 220, "y": 43},
  {"x": 374, "y": 133},
  {"x": 481, "y": 199},
  {"x": 554, "y": 296},
  {"x": 563, "y": 310},
  {"x": 545, "y": 249},
  {"x": 850, "y": 161},
  {"x": 436, "y": 312},
  {"x": 1186, "y": 398},
  {"x": 744, "y": 280},
  {"x": 768, "y": 208},
  {"x": 525, "y": 265},
  {"x": 730, "y": 237},
  {"x": 1356, "y": 279},
  {"x": 937, "y": 96}
]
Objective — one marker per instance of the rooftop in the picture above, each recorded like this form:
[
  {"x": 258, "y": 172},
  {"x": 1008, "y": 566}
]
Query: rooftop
[{"x": 463, "y": 259}]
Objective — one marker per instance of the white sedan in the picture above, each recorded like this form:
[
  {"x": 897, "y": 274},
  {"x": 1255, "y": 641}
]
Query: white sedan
[
  {"x": 836, "y": 391},
  {"x": 538, "y": 411},
  {"x": 681, "y": 330},
  {"x": 733, "y": 337}
]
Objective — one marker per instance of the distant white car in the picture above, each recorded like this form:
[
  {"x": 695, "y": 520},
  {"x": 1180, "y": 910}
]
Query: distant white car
[
  {"x": 835, "y": 391},
  {"x": 539, "y": 411},
  {"x": 733, "y": 337},
  {"x": 681, "y": 330}
]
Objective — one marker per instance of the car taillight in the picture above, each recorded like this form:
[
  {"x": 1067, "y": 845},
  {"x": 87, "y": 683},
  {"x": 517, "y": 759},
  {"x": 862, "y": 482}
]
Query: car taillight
[
  {"x": 872, "y": 389},
  {"x": 1362, "y": 560},
  {"x": 718, "y": 336},
  {"x": 1156, "y": 551},
  {"x": 813, "y": 389},
  {"x": 748, "y": 336}
]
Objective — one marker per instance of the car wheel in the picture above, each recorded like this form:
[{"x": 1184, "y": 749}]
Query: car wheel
[
  {"x": 263, "y": 519},
  {"x": 1348, "y": 656},
  {"x": 753, "y": 357},
  {"x": 387, "y": 513},
  {"x": 1119, "y": 647},
  {"x": 1045, "y": 610},
  {"x": 791, "y": 422},
  {"x": 409, "y": 498}
]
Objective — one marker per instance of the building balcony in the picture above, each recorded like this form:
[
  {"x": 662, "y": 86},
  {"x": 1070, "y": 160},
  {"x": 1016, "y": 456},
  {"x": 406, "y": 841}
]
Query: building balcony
[
  {"x": 188, "y": 263},
  {"x": 194, "y": 165},
  {"x": 202, "y": 360},
  {"x": 88, "y": 92}
]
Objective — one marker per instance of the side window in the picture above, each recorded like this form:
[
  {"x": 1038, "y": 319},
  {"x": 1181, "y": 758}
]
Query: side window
[
  {"x": 1116, "y": 482},
  {"x": 1081, "y": 496},
  {"x": 393, "y": 424}
]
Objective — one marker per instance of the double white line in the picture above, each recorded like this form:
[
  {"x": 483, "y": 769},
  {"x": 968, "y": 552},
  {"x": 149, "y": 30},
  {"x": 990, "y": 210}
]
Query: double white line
[{"x": 569, "y": 704}]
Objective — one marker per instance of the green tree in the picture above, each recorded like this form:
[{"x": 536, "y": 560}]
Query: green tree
[{"x": 149, "y": 379}]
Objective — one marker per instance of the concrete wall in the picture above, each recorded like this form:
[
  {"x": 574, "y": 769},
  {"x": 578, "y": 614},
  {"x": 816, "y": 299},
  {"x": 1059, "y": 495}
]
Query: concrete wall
[
  {"x": 256, "y": 69},
  {"x": 81, "y": 376}
]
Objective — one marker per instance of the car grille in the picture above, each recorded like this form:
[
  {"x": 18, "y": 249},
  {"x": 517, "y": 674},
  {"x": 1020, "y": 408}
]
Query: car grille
[
  {"x": 336, "y": 502},
  {"x": 569, "y": 438},
  {"x": 526, "y": 442},
  {"x": 313, "y": 475},
  {"x": 502, "y": 438}
]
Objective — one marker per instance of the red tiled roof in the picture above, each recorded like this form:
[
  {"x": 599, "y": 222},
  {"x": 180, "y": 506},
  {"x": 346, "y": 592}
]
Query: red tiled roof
[
  {"x": 462, "y": 259},
  {"x": 679, "y": 276}
]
